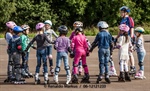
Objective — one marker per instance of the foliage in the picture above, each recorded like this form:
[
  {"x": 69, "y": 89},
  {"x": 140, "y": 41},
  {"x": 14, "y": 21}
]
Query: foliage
[{"x": 67, "y": 11}]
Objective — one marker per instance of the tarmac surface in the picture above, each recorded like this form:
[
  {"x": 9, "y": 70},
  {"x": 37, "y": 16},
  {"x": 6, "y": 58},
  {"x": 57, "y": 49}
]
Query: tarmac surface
[{"x": 92, "y": 61}]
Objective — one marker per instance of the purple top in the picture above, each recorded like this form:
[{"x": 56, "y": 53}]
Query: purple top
[{"x": 62, "y": 44}]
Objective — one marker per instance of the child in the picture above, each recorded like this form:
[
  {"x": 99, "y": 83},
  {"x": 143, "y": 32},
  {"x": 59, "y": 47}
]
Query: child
[
  {"x": 15, "y": 51},
  {"x": 62, "y": 45},
  {"x": 49, "y": 32},
  {"x": 25, "y": 41},
  {"x": 78, "y": 24},
  {"x": 112, "y": 70},
  {"x": 40, "y": 38},
  {"x": 140, "y": 51},
  {"x": 124, "y": 46},
  {"x": 104, "y": 41},
  {"x": 79, "y": 44},
  {"x": 126, "y": 19},
  {"x": 8, "y": 35}
]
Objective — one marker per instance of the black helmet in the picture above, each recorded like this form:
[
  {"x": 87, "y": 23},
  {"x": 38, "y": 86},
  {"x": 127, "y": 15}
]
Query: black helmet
[
  {"x": 79, "y": 29},
  {"x": 63, "y": 29}
]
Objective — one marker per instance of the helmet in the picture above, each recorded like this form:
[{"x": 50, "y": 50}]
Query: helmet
[
  {"x": 102, "y": 24},
  {"x": 139, "y": 29},
  {"x": 79, "y": 29},
  {"x": 11, "y": 24},
  {"x": 17, "y": 29},
  {"x": 124, "y": 27},
  {"x": 63, "y": 29},
  {"x": 78, "y": 24},
  {"x": 39, "y": 25},
  {"x": 25, "y": 27},
  {"x": 48, "y": 22},
  {"x": 125, "y": 9}
]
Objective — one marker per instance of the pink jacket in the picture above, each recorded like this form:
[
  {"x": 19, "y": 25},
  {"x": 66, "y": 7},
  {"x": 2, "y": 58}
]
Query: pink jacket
[
  {"x": 79, "y": 42},
  {"x": 72, "y": 35}
]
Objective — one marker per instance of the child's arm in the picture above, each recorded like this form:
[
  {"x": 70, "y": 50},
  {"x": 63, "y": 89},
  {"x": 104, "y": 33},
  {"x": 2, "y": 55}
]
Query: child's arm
[
  {"x": 94, "y": 44},
  {"x": 54, "y": 34},
  {"x": 48, "y": 40},
  {"x": 120, "y": 40},
  {"x": 30, "y": 44}
]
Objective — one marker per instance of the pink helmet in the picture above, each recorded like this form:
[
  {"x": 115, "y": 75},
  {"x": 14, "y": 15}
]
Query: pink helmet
[
  {"x": 124, "y": 27},
  {"x": 11, "y": 24},
  {"x": 39, "y": 25}
]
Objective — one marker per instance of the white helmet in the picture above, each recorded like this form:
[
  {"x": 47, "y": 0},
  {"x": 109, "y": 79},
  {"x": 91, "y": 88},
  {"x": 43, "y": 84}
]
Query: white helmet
[
  {"x": 48, "y": 22},
  {"x": 102, "y": 24}
]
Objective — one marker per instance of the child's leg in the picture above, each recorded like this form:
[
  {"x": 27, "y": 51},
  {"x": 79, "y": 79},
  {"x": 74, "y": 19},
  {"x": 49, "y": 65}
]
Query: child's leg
[
  {"x": 101, "y": 64},
  {"x": 67, "y": 67},
  {"x": 121, "y": 63},
  {"x": 80, "y": 66},
  {"x": 127, "y": 77},
  {"x": 17, "y": 66},
  {"x": 38, "y": 55},
  {"x": 76, "y": 62},
  {"x": 101, "y": 61},
  {"x": 141, "y": 56},
  {"x": 43, "y": 53},
  {"x": 10, "y": 67},
  {"x": 24, "y": 65},
  {"x": 140, "y": 73},
  {"x": 84, "y": 64},
  {"x": 132, "y": 63},
  {"x": 57, "y": 68},
  {"x": 50, "y": 58}
]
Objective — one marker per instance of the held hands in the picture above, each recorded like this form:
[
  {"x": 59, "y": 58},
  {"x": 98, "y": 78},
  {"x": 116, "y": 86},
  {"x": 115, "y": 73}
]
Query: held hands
[
  {"x": 72, "y": 54},
  {"x": 24, "y": 53},
  {"x": 34, "y": 47}
]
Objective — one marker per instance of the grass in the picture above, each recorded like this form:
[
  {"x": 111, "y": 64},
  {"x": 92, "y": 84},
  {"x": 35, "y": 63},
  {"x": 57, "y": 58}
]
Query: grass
[{"x": 88, "y": 31}]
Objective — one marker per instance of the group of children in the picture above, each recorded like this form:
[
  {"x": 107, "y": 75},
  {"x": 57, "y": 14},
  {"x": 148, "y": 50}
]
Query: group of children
[{"x": 79, "y": 48}]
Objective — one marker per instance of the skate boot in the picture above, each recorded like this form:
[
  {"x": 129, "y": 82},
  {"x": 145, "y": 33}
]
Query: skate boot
[
  {"x": 80, "y": 70},
  {"x": 107, "y": 78},
  {"x": 51, "y": 71},
  {"x": 100, "y": 77},
  {"x": 30, "y": 75},
  {"x": 10, "y": 79},
  {"x": 75, "y": 79},
  {"x": 121, "y": 77},
  {"x": 68, "y": 79},
  {"x": 24, "y": 74},
  {"x": 112, "y": 71},
  {"x": 46, "y": 80},
  {"x": 140, "y": 75},
  {"x": 132, "y": 70},
  {"x": 127, "y": 77},
  {"x": 56, "y": 79},
  {"x": 37, "y": 79},
  {"x": 85, "y": 79},
  {"x": 21, "y": 81}
]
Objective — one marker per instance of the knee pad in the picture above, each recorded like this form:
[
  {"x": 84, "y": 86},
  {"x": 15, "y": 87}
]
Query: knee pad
[
  {"x": 140, "y": 63},
  {"x": 67, "y": 67},
  {"x": 84, "y": 65},
  {"x": 50, "y": 57},
  {"x": 57, "y": 69},
  {"x": 17, "y": 66},
  {"x": 75, "y": 65},
  {"x": 10, "y": 62}
]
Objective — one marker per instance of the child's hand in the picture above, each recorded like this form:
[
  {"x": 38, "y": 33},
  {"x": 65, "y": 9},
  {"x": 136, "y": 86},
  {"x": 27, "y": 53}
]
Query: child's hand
[
  {"x": 23, "y": 53},
  {"x": 34, "y": 47},
  {"x": 72, "y": 55}
]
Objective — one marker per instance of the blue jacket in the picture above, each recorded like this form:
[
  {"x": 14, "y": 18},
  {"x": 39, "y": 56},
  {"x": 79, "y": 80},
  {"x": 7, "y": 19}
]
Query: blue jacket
[{"x": 104, "y": 39}]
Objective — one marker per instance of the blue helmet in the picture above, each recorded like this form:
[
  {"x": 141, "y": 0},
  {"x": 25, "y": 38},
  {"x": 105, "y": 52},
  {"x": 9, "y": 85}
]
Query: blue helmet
[
  {"x": 125, "y": 9},
  {"x": 17, "y": 29}
]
